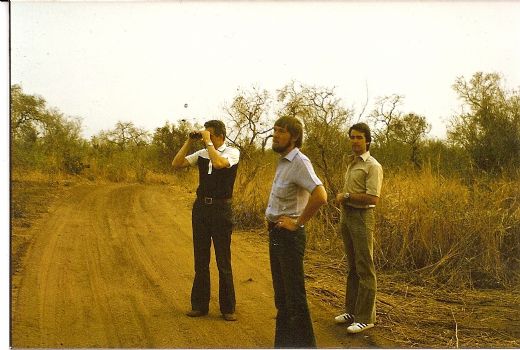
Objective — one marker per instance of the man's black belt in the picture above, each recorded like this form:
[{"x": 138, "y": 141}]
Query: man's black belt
[{"x": 211, "y": 200}]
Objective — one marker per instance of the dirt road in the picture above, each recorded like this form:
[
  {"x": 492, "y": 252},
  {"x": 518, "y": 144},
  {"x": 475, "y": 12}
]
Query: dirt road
[{"x": 112, "y": 266}]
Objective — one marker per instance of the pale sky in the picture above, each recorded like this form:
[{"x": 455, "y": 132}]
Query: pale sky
[{"x": 142, "y": 61}]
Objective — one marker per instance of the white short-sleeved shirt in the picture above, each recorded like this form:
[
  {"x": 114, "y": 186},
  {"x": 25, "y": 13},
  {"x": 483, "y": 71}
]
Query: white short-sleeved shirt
[{"x": 230, "y": 153}]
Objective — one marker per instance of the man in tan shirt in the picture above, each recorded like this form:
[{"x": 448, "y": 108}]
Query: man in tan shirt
[{"x": 361, "y": 191}]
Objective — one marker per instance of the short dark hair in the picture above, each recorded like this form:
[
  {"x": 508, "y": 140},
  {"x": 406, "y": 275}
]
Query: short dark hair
[
  {"x": 365, "y": 129},
  {"x": 294, "y": 126},
  {"x": 218, "y": 126}
]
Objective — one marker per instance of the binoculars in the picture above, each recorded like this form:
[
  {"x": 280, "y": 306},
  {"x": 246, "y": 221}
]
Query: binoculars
[{"x": 195, "y": 135}]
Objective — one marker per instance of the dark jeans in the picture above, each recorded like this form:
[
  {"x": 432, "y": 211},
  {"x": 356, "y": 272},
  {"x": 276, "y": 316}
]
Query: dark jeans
[
  {"x": 212, "y": 222},
  {"x": 293, "y": 320}
]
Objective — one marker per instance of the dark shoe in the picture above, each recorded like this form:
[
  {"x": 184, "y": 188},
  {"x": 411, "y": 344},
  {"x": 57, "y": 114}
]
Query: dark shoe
[
  {"x": 230, "y": 317},
  {"x": 196, "y": 313}
]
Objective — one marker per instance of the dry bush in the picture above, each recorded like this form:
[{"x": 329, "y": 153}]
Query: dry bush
[
  {"x": 187, "y": 178},
  {"x": 28, "y": 175},
  {"x": 429, "y": 228},
  {"x": 141, "y": 172},
  {"x": 249, "y": 207},
  {"x": 322, "y": 231},
  {"x": 252, "y": 188},
  {"x": 36, "y": 175},
  {"x": 115, "y": 173},
  {"x": 439, "y": 227}
]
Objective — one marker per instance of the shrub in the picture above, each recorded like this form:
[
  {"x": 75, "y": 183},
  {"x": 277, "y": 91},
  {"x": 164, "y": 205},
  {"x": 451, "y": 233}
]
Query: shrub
[{"x": 460, "y": 234}]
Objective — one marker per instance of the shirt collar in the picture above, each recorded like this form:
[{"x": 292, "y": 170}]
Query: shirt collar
[
  {"x": 220, "y": 150},
  {"x": 364, "y": 156},
  {"x": 222, "y": 147},
  {"x": 290, "y": 156}
]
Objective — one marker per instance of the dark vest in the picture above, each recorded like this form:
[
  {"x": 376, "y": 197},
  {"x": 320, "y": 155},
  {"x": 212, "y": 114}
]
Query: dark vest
[{"x": 218, "y": 184}]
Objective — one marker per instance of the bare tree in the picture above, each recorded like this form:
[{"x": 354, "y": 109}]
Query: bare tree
[
  {"x": 249, "y": 127},
  {"x": 325, "y": 122},
  {"x": 125, "y": 135},
  {"x": 383, "y": 116},
  {"x": 360, "y": 116},
  {"x": 411, "y": 129},
  {"x": 249, "y": 123}
]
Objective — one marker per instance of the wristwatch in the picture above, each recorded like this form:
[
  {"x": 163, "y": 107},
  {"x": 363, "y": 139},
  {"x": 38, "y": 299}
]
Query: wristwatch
[
  {"x": 209, "y": 144},
  {"x": 346, "y": 195}
]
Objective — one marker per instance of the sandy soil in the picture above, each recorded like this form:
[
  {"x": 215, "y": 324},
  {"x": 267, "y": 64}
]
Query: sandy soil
[{"x": 112, "y": 266}]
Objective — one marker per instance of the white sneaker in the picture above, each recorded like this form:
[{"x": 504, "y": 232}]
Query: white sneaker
[
  {"x": 357, "y": 327},
  {"x": 344, "y": 318}
]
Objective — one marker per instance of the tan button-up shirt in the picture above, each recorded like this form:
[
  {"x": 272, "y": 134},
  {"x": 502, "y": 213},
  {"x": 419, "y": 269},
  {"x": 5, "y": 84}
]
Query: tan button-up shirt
[{"x": 364, "y": 175}]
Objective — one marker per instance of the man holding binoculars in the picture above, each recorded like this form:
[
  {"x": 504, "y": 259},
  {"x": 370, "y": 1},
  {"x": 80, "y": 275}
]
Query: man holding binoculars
[{"x": 211, "y": 215}]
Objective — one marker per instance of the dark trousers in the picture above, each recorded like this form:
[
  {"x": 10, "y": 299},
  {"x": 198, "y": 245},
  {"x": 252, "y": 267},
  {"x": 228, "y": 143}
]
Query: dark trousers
[
  {"x": 212, "y": 222},
  {"x": 293, "y": 320}
]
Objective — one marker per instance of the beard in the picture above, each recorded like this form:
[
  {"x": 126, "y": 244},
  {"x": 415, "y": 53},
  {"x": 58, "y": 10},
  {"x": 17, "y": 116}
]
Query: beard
[{"x": 280, "y": 148}]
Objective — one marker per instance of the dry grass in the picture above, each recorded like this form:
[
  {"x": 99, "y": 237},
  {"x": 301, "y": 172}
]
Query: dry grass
[
  {"x": 415, "y": 316},
  {"x": 459, "y": 234},
  {"x": 38, "y": 176},
  {"x": 251, "y": 192},
  {"x": 411, "y": 308},
  {"x": 430, "y": 229}
]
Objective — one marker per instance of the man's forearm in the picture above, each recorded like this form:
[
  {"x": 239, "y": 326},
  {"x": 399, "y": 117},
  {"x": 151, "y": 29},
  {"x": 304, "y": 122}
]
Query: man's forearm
[
  {"x": 316, "y": 200},
  {"x": 363, "y": 198},
  {"x": 217, "y": 160},
  {"x": 357, "y": 198},
  {"x": 179, "y": 160}
]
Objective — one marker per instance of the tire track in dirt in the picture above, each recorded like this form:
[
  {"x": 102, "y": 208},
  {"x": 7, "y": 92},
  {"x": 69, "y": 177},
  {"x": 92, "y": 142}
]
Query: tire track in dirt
[{"x": 111, "y": 266}]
